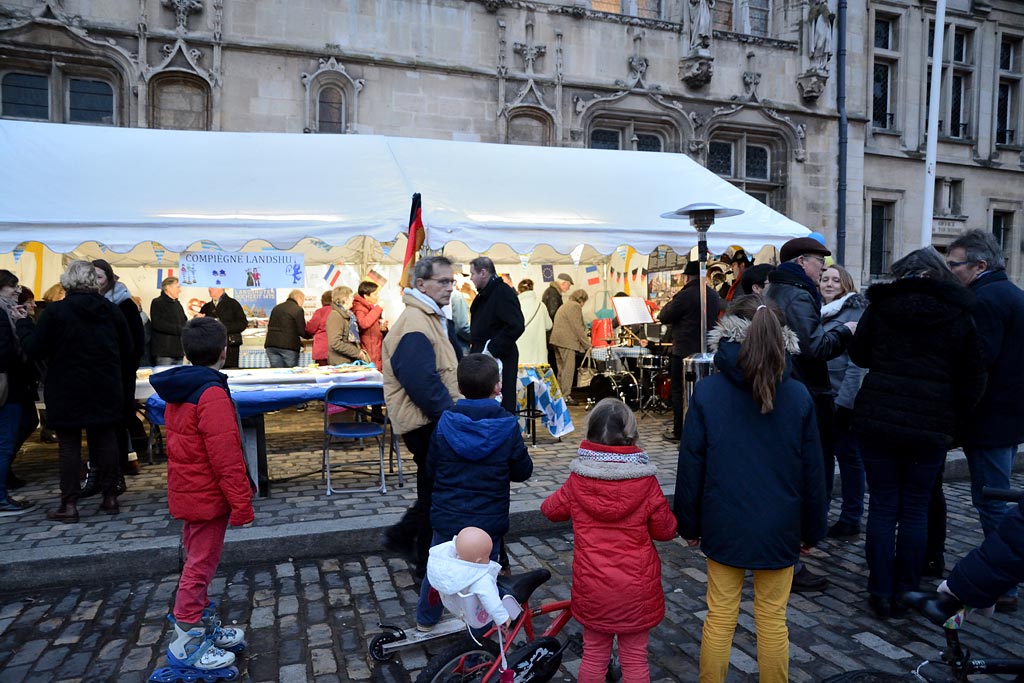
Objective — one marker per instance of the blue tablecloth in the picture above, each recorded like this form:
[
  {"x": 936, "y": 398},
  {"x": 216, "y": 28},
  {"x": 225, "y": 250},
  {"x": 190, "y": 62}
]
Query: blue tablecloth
[
  {"x": 255, "y": 399},
  {"x": 548, "y": 398}
]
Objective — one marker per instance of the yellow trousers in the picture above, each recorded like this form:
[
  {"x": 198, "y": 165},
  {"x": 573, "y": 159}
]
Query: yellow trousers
[{"x": 771, "y": 593}]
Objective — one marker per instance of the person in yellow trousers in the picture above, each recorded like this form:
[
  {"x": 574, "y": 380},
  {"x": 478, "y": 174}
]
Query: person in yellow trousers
[{"x": 750, "y": 488}]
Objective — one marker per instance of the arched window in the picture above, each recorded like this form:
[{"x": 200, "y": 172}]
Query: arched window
[
  {"x": 67, "y": 95},
  {"x": 635, "y": 134},
  {"x": 330, "y": 110},
  {"x": 529, "y": 129},
  {"x": 180, "y": 101},
  {"x": 753, "y": 162}
]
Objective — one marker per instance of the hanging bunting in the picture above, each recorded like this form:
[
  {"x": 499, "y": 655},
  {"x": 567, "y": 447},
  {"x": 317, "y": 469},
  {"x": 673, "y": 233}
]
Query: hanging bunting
[
  {"x": 159, "y": 252},
  {"x": 634, "y": 273},
  {"x": 576, "y": 254},
  {"x": 18, "y": 251},
  {"x": 524, "y": 261}
]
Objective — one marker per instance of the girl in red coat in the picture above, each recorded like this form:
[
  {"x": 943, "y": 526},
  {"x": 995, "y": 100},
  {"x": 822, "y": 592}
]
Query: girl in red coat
[
  {"x": 317, "y": 328},
  {"x": 617, "y": 509},
  {"x": 368, "y": 316}
]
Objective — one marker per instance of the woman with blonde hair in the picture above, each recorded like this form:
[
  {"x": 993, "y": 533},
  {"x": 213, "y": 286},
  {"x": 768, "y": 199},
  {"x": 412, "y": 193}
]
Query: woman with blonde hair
[
  {"x": 343, "y": 330},
  {"x": 842, "y": 303},
  {"x": 749, "y": 487}
]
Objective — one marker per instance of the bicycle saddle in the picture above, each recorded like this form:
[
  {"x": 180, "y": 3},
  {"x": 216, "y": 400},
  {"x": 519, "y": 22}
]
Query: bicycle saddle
[
  {"x": 521, "y": 586},
  {"x": 936, "y": 607}
]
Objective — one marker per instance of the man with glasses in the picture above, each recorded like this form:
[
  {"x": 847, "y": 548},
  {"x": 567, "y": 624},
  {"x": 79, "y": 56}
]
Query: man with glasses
[
  {"x": 996, "y": 426},
  {"x": 420, "y": 383},
  {"x": 794, "y": 287}
]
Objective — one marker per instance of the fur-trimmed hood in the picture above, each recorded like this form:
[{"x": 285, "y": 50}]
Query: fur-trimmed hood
[{"x": 733, "y": 328}]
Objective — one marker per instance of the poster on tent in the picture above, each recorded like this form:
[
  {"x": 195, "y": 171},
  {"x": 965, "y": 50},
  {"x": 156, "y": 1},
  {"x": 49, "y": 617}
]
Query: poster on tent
[
  {"x": 257, "y": 303},
  {"x": 241, "y": 269}
]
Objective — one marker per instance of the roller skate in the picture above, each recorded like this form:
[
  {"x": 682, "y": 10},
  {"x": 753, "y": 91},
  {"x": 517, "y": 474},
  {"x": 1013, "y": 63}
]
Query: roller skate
[
  {"x": 228, "y": 638},
  {"x": 192, "y": 656}
]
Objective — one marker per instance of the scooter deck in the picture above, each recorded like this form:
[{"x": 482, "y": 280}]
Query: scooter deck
[{"x": 414, "y": 637}]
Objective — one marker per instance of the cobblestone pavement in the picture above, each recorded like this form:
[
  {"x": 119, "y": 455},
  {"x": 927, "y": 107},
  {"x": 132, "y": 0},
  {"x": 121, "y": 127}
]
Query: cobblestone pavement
[{"x": 311, "y": 620}]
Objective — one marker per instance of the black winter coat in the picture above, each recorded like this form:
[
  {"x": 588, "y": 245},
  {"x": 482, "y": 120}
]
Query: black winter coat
[
  {"x": 925, "y": 371},
  {"x": 476, "y": 450},
  {"x": 750, "y": 486},
  {"x": 496, "y": 316},
  {"x": 166, "y": 320},
  {"x": 85, "y": 343},
  {"x": 287, "y": 326},
  {"x": 998, "y": 420},
  {"x": 21, "y": 373},
  {"x": 802, "y": 310},
  {"x": 993, "y": 568},
  {"x": 231, "y": 315},
  {"x": 552, "y": 299},
  {"x": 683, "y": 314}
]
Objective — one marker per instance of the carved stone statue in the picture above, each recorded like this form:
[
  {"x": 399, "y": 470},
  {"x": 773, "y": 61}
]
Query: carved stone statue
[
  {"x": 819, "y": 19},
  {"x": 700, "y": 24}
]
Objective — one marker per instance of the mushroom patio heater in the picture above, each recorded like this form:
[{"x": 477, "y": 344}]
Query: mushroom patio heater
[{"x": 702, "y": 217}]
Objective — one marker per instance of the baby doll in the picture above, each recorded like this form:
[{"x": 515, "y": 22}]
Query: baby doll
[{"x": 461, "y": 568}]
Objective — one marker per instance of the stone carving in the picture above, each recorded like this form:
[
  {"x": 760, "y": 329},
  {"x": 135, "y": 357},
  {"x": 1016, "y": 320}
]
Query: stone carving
[
  {"x": 751, "y": 79},
  {"x": 696, "y": 71},
  {"x": 799, "y": 131},
  {"x": 530, "y": 54},
  {"x": 819, "y": 22},
  {"x": 173, "y": 57},
  {"x": 181, "y": 9},
  {"x": 811, "y": 85},
  {"x": 502, "y": 68},
  {"x": 700, "y": 24}
]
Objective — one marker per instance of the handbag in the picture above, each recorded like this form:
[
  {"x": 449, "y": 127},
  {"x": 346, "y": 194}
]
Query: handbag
[
  {"x": 586, "y": 371},
  {"x": 4, "y": 387}
]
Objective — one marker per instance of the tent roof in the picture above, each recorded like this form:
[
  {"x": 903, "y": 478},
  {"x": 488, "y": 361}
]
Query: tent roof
[{"x": 66, "y": 185}]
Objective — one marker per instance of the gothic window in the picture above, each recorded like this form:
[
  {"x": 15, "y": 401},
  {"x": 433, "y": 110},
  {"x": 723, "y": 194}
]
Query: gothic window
[
  {"x": 330, "y": 117},
  {"x": 957, "y": 92},
  {"x": 62, "y": 95},
  {"x": 181, "y": 102},
  {"x": 753, "y": 162},
  {"x": 1008, "y": 94},
  {"x": 647, "y": 9},
  {"x": 529, "y": 129},
  {"x": 886, "y": 65},
  {"x": 638, "y": 136},
  {"x": 750, "y": 17},
  {"x": 882, "y": 238}
]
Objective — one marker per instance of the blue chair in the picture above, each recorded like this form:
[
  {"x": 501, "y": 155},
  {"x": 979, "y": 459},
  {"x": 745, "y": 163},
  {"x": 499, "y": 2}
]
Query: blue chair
[
  {"x": 358, "y": 397},
  {"x": 155, "y": 439}
]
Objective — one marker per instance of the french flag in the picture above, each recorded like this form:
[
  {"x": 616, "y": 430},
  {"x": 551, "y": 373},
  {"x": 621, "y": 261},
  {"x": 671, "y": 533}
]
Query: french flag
[
  {"x": 161, "y": 273},
  {"x": 332, "y": 275},
  {"x": 592, "y": 276}
]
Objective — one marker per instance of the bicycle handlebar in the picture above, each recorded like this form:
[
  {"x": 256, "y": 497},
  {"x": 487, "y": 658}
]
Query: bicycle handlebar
[{"x": 1009, "y": 495}]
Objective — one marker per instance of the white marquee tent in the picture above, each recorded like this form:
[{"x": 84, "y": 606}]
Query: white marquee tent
[{"x": 139, "y": 196}]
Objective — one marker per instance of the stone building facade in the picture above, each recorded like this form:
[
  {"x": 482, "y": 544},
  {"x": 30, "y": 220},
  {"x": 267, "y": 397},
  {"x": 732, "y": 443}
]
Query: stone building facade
[{"x": 746, "y": 87}]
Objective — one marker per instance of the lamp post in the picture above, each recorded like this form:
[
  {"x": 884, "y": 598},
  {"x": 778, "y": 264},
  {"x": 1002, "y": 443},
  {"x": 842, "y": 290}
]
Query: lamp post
[{"x": 702, "y": 217}]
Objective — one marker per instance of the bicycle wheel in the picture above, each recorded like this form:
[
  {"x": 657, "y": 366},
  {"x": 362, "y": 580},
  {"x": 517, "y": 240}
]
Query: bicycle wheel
[
  {"x": 463, "y": 662},
  {"x": 871, "y": 676}
]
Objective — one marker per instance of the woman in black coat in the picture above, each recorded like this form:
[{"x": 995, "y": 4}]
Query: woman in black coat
[
  {"x": 117, "y": 293},
  {"x": 925, "y": 373},
  {"x": 20, "y": 377},
  {"x": 85, "y": 342}
]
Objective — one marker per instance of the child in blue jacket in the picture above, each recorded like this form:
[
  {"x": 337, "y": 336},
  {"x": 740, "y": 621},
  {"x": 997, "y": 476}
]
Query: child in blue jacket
[{"x": 476, "y": 452}]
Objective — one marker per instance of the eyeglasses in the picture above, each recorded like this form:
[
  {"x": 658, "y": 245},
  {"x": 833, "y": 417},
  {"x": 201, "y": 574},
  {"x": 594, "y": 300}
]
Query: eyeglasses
[
  {"x": 820, "y": 259},
  {"x": 444, "y": 282},
  {"x": 957, "y": 264}
]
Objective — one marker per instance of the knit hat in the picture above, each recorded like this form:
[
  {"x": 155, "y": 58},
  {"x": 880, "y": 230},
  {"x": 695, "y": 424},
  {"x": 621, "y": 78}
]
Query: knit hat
[
  {"x": 798, "y": 246},
  {"x": 565, "y": 276}
]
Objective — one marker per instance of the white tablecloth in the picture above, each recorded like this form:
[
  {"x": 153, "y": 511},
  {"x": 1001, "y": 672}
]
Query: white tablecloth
[
  {"x": 255, "y": 357},
  {"x": 253, "y": 378}
]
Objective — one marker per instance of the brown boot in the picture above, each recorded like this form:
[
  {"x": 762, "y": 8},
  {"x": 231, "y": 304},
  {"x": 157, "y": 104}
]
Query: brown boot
[
  {"x": 110, "y": 505},
  {"x": 66, "y": 513}
]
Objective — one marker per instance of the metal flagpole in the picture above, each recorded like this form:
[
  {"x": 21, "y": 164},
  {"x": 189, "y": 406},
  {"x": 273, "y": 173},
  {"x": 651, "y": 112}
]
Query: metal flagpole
[{"x": 928, "y": 203}]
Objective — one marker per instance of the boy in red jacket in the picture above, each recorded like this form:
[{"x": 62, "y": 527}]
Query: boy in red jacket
[{"x": 207, "y": 487}]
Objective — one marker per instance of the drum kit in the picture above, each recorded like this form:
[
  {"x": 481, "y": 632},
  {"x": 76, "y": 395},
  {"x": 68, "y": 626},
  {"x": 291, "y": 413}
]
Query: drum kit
[{"x": 638, "y": 377}]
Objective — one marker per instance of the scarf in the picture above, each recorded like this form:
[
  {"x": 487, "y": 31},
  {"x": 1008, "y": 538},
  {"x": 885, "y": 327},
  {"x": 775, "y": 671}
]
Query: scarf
[
  {"x": 806, "y": 282},
  {"x": 600, "y": 452},
  {"x": 118, "y": 294}
]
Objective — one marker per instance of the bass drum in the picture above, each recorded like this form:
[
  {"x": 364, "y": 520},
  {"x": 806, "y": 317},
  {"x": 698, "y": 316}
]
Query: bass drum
[{"x": 621, "y": 385}]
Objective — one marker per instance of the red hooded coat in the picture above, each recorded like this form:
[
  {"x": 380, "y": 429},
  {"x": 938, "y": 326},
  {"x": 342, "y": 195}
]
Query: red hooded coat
[
  {"x": 370, "y": 336},
  {"x": 617, "y": 510}
]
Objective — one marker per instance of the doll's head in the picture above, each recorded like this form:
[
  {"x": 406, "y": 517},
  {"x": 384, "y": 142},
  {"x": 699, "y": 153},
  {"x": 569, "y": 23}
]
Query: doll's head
[
  {"x": 473, "y": 545},
  {"x": 612, "y": 423}
]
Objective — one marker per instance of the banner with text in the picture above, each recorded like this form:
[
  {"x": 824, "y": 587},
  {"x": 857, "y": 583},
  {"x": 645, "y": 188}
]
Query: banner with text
[{"x": 241, "y": 269}]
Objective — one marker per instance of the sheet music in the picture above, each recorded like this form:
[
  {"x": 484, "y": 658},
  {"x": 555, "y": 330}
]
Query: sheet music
[{"x": 631, "y": 310}]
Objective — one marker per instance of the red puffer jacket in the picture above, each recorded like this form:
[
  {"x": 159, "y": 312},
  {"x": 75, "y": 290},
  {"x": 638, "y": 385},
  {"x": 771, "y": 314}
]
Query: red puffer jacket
[
  {"x": 206, "y": 477},
  {"x": 617, "y": 509}
]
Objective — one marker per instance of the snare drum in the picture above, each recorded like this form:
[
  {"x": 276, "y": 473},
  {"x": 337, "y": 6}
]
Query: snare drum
[
  {"x": 621, "y": 385},
  {"x": 649, "y": 362}
]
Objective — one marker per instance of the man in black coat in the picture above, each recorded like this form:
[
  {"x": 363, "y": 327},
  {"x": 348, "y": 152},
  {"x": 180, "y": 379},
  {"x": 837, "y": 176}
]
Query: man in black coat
[
  {"x": 230, "y": 313},
  {"x": 996, "y": 426},
  {"x": 683, "y": 314},
  {"x": 166, "y": 320},
  {"x": 496, "y": 322},
  {"x": 552, "y": 300},
  {"x": 285, "y": 331},
  {"x": 794, "y": 287}
]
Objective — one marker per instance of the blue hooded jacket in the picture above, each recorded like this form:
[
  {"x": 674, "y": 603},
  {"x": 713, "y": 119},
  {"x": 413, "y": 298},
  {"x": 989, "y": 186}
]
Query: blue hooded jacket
[{"x": 476, "y": 452}]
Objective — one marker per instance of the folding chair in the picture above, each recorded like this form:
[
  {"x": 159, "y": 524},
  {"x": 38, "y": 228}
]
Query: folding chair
[{"x": 357, "y": 398}]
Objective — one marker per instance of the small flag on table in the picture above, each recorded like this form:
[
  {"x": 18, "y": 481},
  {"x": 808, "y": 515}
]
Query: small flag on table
[
  {"x": 593, "y": 278},
  {"x": 332, "y": 275}
]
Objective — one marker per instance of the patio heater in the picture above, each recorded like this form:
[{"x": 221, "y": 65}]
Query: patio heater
[{"x": 702, "y": 217}]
